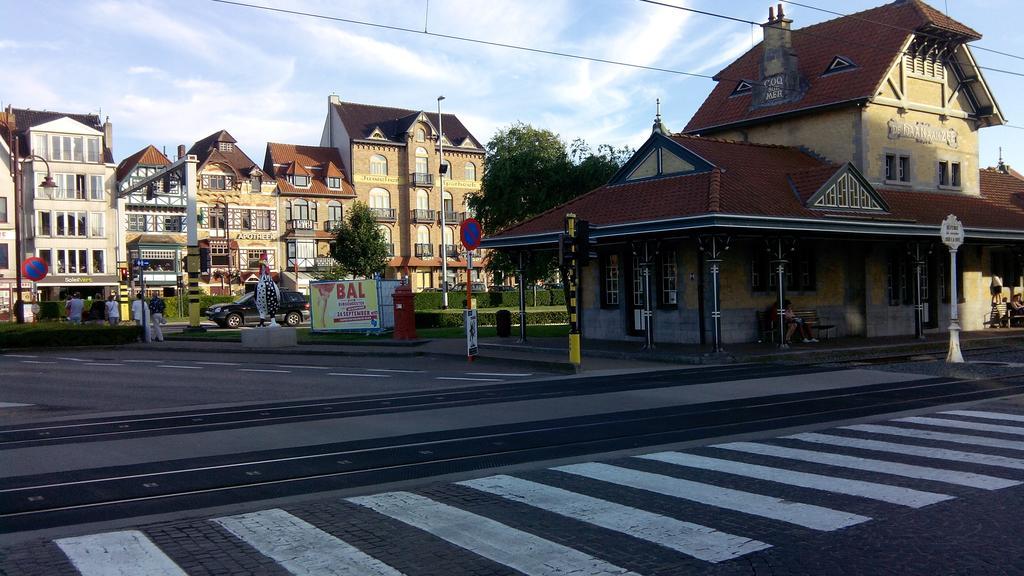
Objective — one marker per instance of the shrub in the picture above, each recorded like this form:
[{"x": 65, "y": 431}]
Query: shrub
[
  {"x": 507, "y": 299},
  {"x": 59, "y": 335},
  {"x": 205, "y": 301},
  {"x": 451, "y": 318}
]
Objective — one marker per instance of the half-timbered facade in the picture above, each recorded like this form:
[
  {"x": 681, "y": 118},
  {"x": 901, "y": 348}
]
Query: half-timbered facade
[{"x": 818, "y": 170}]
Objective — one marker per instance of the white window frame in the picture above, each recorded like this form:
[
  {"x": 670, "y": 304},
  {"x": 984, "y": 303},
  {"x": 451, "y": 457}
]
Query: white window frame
[
  {"x": 97, "y": 225},
  {"x": 378, "y": 165}
]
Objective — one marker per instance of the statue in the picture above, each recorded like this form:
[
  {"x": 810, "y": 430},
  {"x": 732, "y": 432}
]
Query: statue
[{"x": 268, "y": 295}]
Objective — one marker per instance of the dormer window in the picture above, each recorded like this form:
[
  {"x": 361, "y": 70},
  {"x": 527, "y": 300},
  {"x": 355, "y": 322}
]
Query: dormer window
[
  {"x": 225, "y": 146},
  {"x": 839, "y": 64},
  {"x": 334, "y": 183},
  {"x": 743, "y": 87},
  {"x": 421, "y": 136},
  {"x": 300, "y": 180}
]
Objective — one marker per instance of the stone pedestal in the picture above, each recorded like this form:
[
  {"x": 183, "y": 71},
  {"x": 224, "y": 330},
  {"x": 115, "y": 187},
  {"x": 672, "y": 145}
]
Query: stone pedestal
[{"x": 269, "y": 338}]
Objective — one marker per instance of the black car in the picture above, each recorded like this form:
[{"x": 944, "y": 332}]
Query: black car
[{"x": 294, "y": 310}]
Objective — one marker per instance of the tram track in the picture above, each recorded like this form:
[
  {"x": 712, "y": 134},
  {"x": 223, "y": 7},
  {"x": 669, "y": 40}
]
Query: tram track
[{"x": 57, "y": 499}]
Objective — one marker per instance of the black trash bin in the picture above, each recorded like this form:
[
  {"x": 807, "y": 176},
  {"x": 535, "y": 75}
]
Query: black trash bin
[{"x": 503, "y": 323}]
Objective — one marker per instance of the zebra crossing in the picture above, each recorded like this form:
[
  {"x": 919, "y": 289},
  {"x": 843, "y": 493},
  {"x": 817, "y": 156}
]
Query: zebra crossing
[{"x": 905, "y": 463}]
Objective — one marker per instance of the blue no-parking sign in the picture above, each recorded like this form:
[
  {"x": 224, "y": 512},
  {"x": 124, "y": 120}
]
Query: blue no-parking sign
[{"x": 471, "y": 233}]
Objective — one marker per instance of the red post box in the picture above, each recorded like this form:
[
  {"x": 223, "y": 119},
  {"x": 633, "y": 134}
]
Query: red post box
[{"x": 405, "y": 313}]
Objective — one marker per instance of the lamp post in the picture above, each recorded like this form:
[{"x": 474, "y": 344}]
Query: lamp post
[
  {"x": 444, "y": 247},
  {"x": 49, "y": 184}
]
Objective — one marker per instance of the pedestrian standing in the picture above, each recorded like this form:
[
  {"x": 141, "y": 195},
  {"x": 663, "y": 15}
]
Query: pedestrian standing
[
  {"x": 140, "y": 313},
  {"x": 113, "y": 310},
  {"x": 97, "y": 312},
  {"x": 156, "y": 313},
  {"x": 74, "y": 308}
]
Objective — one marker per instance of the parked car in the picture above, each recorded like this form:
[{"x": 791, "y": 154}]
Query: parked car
[
  {"x": 293, "y": 310},
  {"x": 461, "y": 287}
]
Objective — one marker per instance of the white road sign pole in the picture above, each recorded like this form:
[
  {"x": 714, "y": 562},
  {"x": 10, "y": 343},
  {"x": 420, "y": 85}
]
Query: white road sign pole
[{"x": 952, "y": 232}]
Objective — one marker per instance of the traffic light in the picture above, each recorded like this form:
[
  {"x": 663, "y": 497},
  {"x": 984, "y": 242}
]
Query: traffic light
[
  {"x": 585, "y": 246},
  {"x": 566, "y": 252}
]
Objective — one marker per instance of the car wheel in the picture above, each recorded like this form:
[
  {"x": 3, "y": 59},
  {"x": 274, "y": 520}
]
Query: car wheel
[
  {"x": 293, "y": 319},
  {"x": 233, "y": 321}
]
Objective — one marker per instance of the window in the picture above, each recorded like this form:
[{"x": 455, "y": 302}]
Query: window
[
  {"x": 47, "y": 256},
  {"x": 385, "y": 232},
  {"x": 669, "y": 279},
  {"x": 3, "y": 210},
  {"x": 261, "y": 220},
  {"x": 220, "y": 254},
  {"x": 72, "y": 261},
  {"x": 5, "y": 259},
  {"x": 422, "y": 200},
  {"x": 420, "y": 135},
  {"x": 300, "y": 210},
  {"x": 380, "y": 198},
  {"x": 136, "y": 223},
  {"x": 97, "y": 224},
  {"x": 449, "y": 205},
  {"x": 422, "y": 235},
  {"x": 72, "y": 224},
  {"x": 225, "y": 146},
  {"x": 469, "y": 172},
  {"x": 173, "y": 224},
  {"x": 446, "y": 169},
  {"x": 378, "y": 165},
  {"x": 40, "y": 147},
  {"x": 300, "y": 180},
  {"x": 847, "y": 192},
  {"x": 216, "y": 182},
  {"x": 943, "y": 173},
  {"x": 96, "y": 187},
  {"x": 897, "y": 168},
  {"x": 610, "y": 281},
  {"x": 334, "y": 183},
  {"x": 334, "y": 210},
  {"x": 255, "y": 184},
  {"x": 67, "y": 148},
  {"x": 93, "y": 150},
  {"x": 800, "y": 275},
  {"x": 98, "y": 262},
  {"x": 954, "y": 175},
  {"x": 421, "y": 161}
]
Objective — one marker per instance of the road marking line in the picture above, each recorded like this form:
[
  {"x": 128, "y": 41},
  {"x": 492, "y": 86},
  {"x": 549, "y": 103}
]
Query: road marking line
[
  {"x": 300, "y": 547},
  {"x": 807, "y": 515},
  {"x": 145, "y": 361},
  {"x": 13, "y": 405},
  {"x": 468, "y": 379},
  {"x": 514, "y": 548},
  {"x": 1016, "y": 430},
  {"x": 183, "y": 367},
  {"x": 882, "y": 492},
  {"x": 220, "y": 363},
  {"x": 104, "y": 364},
  {"x": 20, "y": 356},
  {"x": 691, "y": 539},
  {"x": 987, "y": 415},
  {"x": 118, "y": 553},
  {"x": 909, "y": 450},
  {"x": 38, "y": 361},
  {"x": 264, "y": 370},
  {"x": 940, "y": 436},
  {"x": 882, "y": 466},
  {"x": 305, "y": 367},
  {"x": 73, "y": 359},
  {"x": 497, "y": 374},
  {"x": 393, "y": 370},
  {"x": 358, "y": 375}
]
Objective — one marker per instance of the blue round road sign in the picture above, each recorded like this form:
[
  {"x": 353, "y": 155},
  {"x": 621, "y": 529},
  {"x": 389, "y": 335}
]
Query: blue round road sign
[
  {"x": 471, "y": 233},
  {"x": 35, "y": 269}
]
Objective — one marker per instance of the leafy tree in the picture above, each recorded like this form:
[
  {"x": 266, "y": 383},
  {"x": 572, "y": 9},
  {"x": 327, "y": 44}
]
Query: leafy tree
[
  {"x": 528, "y": 171},
  {"x": 360, "y": 248}
]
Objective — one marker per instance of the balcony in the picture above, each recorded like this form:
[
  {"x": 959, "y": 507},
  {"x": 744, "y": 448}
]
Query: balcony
[
  {"x": 383, "y": 214},
  {"x": 452, "y": 217},
  {"x": 292, "y": 225},
  {"x": 426, "y": 216},
  {"x": 332, "y": 225},
  {"x": 450, "y": 249},
  {"x": 421, "y": 179},
  {"x": 424, "y": 250}
]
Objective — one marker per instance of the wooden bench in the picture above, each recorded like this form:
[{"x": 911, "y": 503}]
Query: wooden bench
[{"x": 768, "y": 330}]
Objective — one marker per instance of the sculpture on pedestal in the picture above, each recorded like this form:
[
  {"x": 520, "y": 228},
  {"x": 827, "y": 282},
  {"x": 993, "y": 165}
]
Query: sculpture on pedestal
[{"x": 268, "y": 295}]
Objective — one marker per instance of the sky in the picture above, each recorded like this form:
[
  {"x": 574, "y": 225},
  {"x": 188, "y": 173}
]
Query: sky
[{"x": 171, "y": 72}]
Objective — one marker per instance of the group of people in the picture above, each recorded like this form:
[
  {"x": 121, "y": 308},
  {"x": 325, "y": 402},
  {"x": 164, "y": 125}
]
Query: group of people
[
  {"x": 1014, "y": 309},
  {"x": 150, "y": 314}
]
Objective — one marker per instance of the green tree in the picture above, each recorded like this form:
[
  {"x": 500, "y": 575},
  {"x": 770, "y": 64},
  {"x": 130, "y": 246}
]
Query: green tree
[
  {"x": 528, "y": 171},
  {"x": 360, "y": 248}
]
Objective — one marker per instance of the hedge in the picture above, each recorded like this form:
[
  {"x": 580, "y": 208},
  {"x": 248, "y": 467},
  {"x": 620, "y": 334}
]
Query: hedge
[
  {"x": 509, "y": 299},
  {"x": 54, "y": 309},
  {"x": 61, "y": 334},
  {"x": 450, "y": 318}
]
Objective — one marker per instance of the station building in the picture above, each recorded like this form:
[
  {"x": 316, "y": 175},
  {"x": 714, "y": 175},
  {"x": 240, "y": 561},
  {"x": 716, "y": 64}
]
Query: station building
[{"x": 824, "y": 161}]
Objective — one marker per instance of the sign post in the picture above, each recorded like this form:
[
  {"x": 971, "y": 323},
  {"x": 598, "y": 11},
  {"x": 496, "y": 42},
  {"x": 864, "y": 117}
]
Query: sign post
[
  {"x": 142, "y": 265},
  {"x": 952, "y": 232},
  {"x": 471, "y": 233}
]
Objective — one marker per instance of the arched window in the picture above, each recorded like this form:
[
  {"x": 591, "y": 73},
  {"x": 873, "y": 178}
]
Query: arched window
[
  {"x": 469, "y": 172},
  {"x": 385, "y": 231},
  {"x": 378, "y": 165},
  {"x": 421, "y": 136},
  {"x": 422, "y": 235},
  {"x": 447, "y": 172},
  {"x": 334, "y": 212},
  {"x": 300, "y": 210},
  {"x": 449, "y": 206},
  {"x": 422, "y": 200},
  {"x": 449, "y": 235},
  {"x": 380, "y": 198},
  {"x": 421, "y": 160}
]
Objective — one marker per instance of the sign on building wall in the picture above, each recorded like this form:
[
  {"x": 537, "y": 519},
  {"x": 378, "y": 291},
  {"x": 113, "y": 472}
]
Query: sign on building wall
[
  {"x": 923, "y": 132},
  {"x": 344, "y": 305}
]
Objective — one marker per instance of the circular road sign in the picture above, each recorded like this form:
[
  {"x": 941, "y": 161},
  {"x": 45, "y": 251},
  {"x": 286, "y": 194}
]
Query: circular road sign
[
  {"x": 471, "y": 233},
  {"x": 35, "y": 269}
]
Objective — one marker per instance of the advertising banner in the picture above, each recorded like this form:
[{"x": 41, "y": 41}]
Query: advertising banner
[{"x": 344, "y": 305}]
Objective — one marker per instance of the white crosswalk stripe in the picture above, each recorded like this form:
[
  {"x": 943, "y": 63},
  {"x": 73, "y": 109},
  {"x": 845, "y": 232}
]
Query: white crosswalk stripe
[
  {"x": 882, "y": 492},
  {"x": 125, "y": 553},
  {"x": 986, "y": 415},
  {"x": 300, "y": 547},
  {"x": 807, "y": 515},
  {"x": 948, "y": 423},
  {"x": 514, "y": 548},
  {"x": 941, "y": 436},
  {"x": 969, "y": 479},
  {"x": 906, "y": 449},
  {"x": 686, "y": 537}
]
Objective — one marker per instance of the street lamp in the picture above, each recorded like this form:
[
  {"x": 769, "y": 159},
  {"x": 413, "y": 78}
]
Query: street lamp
[
  {"x": 440, "y": 171},
  {"x": 49, "y": 184}
]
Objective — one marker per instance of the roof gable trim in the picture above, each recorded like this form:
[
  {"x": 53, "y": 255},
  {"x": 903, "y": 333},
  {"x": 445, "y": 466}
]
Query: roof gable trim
[
  {"x": 660, "y": 157},
  {"x": 847, "y": 190}
]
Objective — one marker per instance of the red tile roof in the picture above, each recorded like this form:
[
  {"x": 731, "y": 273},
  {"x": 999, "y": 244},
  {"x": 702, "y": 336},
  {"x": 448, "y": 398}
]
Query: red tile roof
[
  {"x": 361, "y": 119},
  {"x": 208, "y": 150},
  {"x": 871, "y": 40},
  {"x": 284, "y": 159},
  {"x": 148, "y": 156}
]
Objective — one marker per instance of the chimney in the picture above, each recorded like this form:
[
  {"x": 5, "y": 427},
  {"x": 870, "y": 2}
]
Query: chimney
[
  {"x": 181, "y": 151},
  {"x": 780, "y": 79},
  {"x": 108, "y": 134},
  {"x": 334, "y": 99}
]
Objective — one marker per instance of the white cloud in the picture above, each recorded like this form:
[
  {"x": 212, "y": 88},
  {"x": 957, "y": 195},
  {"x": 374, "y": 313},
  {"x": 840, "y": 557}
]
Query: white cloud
[{"x": 144, "y": 70}]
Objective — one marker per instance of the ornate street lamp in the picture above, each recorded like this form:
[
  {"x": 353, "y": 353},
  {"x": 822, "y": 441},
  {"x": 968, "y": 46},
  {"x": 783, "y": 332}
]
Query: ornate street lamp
[{"x": 49, "y": 184}]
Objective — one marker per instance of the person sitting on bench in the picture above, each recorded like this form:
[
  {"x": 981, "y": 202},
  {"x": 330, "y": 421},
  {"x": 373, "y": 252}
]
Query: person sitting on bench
[
  {"x": 1015, "y": 309},
  {"x": 793, "y": 322}
]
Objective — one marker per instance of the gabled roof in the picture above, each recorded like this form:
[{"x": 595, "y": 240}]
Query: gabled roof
[
  {"x": 762, "y": 185},
  {"x": 319, "y": 162},
  {"x": 148, "y": 156},
  {"x": 360, "y": 120},
  {"x": 872, "y": 39},
  {"x": 25, "y": 119},
  {"x": 208, "y": 151}
]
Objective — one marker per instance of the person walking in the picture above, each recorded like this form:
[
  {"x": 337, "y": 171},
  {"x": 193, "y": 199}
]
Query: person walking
[
  {"x": 140, "y": 313},
  {"x": 113, "y": 310},
  {"x": 156, "y": 313},
  {"x": 74, "y": 308},
  {"x": 97, "y": 312}
]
